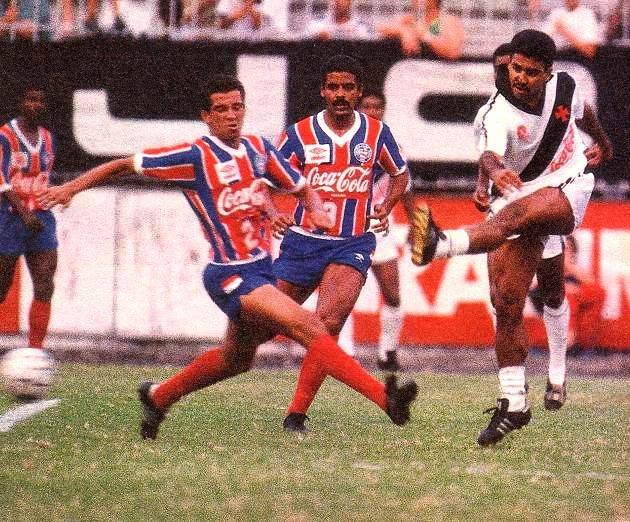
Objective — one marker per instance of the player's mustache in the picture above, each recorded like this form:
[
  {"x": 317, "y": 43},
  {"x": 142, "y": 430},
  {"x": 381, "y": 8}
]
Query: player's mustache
[{"x": 341, "y": 103}]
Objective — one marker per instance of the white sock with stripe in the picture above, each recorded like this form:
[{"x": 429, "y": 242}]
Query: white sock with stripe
[
  {"x": 512, "y": 381},
  {"x": 391, "y": 322}
]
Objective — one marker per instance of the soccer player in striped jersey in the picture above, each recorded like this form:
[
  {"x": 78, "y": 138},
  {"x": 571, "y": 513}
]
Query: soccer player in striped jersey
[
  {"x": 338, "y": 149},
  {"x": 27, "y": 154},
  {"x": 220, "y": 175}
]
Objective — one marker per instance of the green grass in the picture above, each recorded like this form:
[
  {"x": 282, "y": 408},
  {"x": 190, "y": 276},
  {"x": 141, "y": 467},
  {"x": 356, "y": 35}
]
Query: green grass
[{"x": 222, "y": 455}]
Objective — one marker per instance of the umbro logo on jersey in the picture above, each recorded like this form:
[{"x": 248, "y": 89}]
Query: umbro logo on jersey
[
  {"x": 228, "y": 172},
  {"x": 317, "y": 153}
]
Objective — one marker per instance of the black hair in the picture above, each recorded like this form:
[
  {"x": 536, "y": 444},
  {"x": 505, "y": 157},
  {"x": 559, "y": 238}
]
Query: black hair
[
  {"x": 220, "y": 83},
  {"x": 535, "y": 45},
  {"x": 375, "y": 93},
  {"x": 504, "y": 49},
  {"x": 343, "y": 63}
]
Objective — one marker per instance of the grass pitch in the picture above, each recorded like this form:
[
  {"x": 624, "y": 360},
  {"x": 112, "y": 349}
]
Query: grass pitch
[{"x": 222, "y": 455}]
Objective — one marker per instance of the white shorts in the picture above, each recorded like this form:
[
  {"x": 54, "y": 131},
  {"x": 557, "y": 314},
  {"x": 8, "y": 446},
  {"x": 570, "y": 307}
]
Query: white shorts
[
  {"x": 554, "y": 245},
  {"x": 386, "y": 249},
  {"x": 577, "y": 189}
]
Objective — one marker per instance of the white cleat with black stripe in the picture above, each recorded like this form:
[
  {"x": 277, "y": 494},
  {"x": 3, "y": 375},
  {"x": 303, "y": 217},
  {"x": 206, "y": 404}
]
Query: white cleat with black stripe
[{"x": 503, "y": 422}]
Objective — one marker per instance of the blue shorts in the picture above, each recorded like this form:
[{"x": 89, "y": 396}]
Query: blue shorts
[
  {"x": 303, "y": 259},
  {"x": 226, "y": 284},
  {"x": 17, "y": 239}
]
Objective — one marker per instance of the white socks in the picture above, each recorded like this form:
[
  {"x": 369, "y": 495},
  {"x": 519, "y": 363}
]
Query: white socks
[
  {"x": 557, "y": 326},
  {"x": 391, "y": 322},
  {"x": 512, "y": 381},
  {"x": 455, "y": 244}
]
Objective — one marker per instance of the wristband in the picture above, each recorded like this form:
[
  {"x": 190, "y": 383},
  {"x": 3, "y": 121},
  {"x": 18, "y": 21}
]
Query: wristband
[{"x": 5, "y": 187}]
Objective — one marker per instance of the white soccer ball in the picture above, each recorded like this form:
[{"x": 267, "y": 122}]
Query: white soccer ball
[{"x": 28, "y": 373}]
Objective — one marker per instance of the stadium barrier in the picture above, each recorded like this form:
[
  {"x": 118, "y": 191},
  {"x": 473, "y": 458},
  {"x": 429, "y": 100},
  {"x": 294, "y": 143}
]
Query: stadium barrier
[{"x": 131, "y": 261}]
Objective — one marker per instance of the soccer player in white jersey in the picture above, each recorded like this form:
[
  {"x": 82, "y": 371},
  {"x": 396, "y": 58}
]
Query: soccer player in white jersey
[{"x": 533, "y": 154}]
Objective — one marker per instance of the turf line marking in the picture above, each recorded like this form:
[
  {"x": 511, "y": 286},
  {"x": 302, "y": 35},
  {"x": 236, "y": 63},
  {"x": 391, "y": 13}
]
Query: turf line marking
[{"x": 22, "y": 412}]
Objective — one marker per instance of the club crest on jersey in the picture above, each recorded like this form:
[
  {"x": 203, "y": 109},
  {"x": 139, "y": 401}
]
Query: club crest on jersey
[
  {"x": 362, "y": 152},
  {"x": 227, "y": 172},
  {"x": 260, "y": 164},
  {"x": 317, "y": 153}
]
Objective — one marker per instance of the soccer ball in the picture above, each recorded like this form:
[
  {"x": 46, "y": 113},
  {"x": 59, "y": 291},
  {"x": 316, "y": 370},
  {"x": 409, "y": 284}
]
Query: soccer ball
[{"x": 28, "y": 373}]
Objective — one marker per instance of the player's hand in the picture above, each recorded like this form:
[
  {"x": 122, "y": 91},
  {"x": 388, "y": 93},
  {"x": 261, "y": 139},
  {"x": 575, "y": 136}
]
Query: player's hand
[
  {"x": 320, "y": 219},
  {"x": 481, "y": 199},
  {"x": 596, "y": 154},
  {"x": 506, "y": 180},
  {"x": 51, "y": 196},
  {"x": 280, "y": 224},
  {"x": 382, "y": 220}
]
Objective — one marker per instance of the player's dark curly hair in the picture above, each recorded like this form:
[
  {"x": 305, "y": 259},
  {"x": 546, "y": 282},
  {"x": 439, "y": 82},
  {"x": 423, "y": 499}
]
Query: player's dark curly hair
[
  {"x": 535, "y": 45},
  {"x": 343, "y": 63},
  {"x": 219, "y": 83}
]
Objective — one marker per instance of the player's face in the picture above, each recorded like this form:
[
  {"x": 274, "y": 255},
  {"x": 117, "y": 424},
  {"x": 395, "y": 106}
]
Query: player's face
[
  {"x": 341, "y": 93},
  {"x": 33, "y": 105},
  {"x": 527, "y": 79},
  {"x": 372, "y": 106},
  {"x": 225, "y": 116}
]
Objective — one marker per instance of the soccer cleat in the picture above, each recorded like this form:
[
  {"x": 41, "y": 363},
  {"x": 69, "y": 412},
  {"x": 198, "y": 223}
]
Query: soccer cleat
[
  {"x": 424, "y": 235},
  {"x": 555, "y": 396},
  {"x": 151, "y": 415},
  {"x": 294, "y": 422},
  {"x": 399, "y": 399},
  {"x": 390, "y": 363},
  {"x": 503, "y": 422}
]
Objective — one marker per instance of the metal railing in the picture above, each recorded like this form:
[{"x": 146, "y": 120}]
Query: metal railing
[{"x": 487, "y": 22}]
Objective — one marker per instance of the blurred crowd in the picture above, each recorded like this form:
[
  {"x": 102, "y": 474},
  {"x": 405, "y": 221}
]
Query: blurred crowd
[{"x": 433, "y": 26}]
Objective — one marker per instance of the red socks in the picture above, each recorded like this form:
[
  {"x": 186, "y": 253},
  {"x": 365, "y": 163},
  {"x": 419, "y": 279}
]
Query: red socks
[
  {"x": 206, "y": 369},
  {"x": 325, "y": 357},
  {"x": 38, "y": 318},
  {"x": 310, "y": 379}
]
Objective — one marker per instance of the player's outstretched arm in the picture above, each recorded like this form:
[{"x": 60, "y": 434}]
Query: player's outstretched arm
[{"x": 62, "y": 194}]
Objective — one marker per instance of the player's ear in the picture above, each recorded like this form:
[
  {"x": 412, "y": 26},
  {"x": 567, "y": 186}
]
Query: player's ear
[{"x": 204, "y": 115}]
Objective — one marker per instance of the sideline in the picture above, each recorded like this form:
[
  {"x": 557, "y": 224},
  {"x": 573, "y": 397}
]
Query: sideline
[{"x": 24, "y": 411}]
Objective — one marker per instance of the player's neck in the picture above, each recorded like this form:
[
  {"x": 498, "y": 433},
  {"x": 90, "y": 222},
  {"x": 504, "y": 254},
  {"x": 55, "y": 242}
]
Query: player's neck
[
  {"x": 29, "y": 129},
  {"x": 340, "y": 124}
]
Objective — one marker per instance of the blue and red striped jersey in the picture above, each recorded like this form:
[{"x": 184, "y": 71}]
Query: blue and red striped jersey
[
  {"x": 220, "y": 183},
  {"x": 341, "y": 168},
  {"x": 25, "y": 166}
]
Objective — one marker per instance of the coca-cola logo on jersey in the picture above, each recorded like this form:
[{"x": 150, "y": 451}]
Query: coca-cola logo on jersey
[
  {"x": 230, "y": 201},
  {"x": 352, "y": 179}
]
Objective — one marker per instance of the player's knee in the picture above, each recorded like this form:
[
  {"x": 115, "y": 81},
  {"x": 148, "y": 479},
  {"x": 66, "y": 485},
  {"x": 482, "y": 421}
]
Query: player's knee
[{"x": 508, "y": 307}]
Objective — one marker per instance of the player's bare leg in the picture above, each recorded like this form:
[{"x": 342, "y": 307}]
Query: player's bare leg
[{"x": 511, "y": 268}]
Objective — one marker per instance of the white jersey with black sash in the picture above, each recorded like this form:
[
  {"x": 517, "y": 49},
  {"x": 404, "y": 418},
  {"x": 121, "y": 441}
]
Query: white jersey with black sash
[{"x": 544, "y": 147}]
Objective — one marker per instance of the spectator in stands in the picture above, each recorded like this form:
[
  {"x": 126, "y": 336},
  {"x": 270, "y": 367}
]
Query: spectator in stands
[
  {"x": 574, "y": 27},
  {"x": 92, "y": 11},
  {"x": 199, "y": 13},
  {"x": 614, "y": 22},
  {"x": 25, "y": 19},
  {"x": 436, "y": 32},
  {"x": 340, "y": 23},
  {"x": 246, "y": 15}
]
